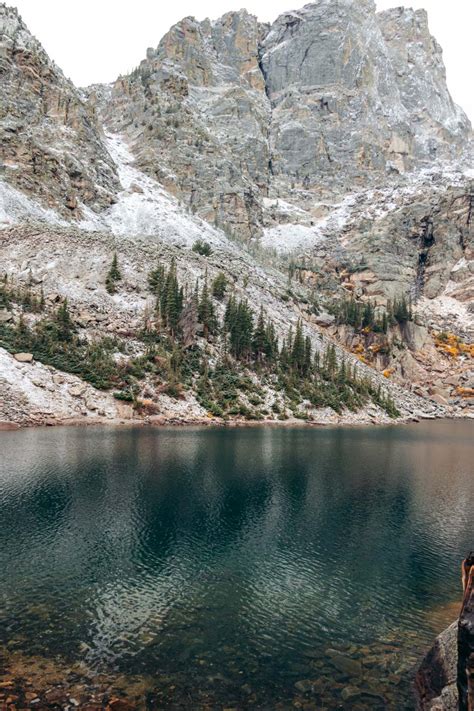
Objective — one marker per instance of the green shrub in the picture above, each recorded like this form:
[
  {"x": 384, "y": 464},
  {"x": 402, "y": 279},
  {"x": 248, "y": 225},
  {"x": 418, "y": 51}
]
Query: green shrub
[{"x": 202, "y": 248}]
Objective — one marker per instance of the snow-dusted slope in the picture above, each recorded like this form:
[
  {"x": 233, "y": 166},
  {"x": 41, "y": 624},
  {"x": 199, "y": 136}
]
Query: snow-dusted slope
[
  {"x": 144, "y": 208},
  {"x": 15, "y": 208},
  {"x": 302, "y": 230}
]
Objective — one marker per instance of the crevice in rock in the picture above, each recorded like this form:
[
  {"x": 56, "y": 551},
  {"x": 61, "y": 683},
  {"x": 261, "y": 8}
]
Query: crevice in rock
[
  {"x": 263, "y": 72},
  {"x": 470, "y": 209},
  {"x": 427, "y": 240},
  {"x": 267, "y": 94}
]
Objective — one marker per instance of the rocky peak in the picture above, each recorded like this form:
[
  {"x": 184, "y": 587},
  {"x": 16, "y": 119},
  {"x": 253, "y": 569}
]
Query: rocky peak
[
  {"x": 232, "y": 113},
  {"x": 324, "y": 100},
  {"x": 351, "y": 94},
  {"x": 50, "y": 144}
]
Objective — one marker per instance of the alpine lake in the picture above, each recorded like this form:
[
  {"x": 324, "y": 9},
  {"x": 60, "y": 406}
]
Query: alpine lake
[{"x": 233, "y": 568}]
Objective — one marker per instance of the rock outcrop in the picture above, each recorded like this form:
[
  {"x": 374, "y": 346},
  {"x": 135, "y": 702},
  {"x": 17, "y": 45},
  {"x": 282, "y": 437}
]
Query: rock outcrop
[
  {"x": 50, "y": 145},
  {"x": 445, "y": 679},
  {"x": 436, "y": 679}
]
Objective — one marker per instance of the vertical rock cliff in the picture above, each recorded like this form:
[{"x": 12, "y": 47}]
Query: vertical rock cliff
[{"x": 50, "y": 144}]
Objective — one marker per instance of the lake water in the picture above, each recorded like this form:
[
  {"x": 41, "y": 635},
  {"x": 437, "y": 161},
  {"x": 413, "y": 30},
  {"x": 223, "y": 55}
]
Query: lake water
[{"x": 236, "y": 568}]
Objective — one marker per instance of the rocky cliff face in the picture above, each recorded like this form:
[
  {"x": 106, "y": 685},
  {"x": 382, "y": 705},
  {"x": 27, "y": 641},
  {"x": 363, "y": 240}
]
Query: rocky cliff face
[
  {"x": 229, "y": 113},
  {"x": 350, "y": 96},
  {"x": 196, "y": 114},
  {"x": 50, "y": 144}
]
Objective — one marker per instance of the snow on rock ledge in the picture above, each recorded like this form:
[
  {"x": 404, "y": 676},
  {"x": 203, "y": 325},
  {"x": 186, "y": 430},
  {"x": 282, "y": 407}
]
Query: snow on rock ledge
[{"x": 33, "y": 393}]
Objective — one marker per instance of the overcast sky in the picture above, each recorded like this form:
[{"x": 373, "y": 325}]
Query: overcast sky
[{"x": 96, "y": 40}]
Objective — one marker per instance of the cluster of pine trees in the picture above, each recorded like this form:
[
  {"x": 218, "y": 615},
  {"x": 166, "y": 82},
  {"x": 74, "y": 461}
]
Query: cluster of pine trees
[
  {"x": 367, "y": 315},
  {"x": 300, "y": 373},
  {"x": 25, "y": 296},
  {"x": 243, "y": 343}
]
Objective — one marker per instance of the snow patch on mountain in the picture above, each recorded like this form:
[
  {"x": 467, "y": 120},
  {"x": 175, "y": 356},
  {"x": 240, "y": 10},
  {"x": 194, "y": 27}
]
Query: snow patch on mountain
[
  {"x": 144, "y": 208},
  {"x": 16, "y": 207}
]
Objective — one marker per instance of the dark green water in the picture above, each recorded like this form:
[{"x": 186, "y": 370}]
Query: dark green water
[{"x": 244, "y": 568}]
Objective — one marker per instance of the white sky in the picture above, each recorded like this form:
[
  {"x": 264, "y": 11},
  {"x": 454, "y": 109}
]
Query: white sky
[{"x": 96, "y": 40}]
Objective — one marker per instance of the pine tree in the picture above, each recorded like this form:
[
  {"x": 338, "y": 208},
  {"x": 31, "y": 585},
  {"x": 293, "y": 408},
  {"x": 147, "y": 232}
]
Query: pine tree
[
  {"x": 259, "y": 340},
  {"x": 307, "y": 355},
  {"x": 219, "y": 286},
  {"x": 156, "y": 280},
  {"x": 342, "y": 374},
  {"x": 113, "y": 276},
  {"x": 271, "y": 343},
  {"x": 230, "y": 312},
  {"x": 65, "y": 326},
  {"x": 171, "y": 301},
  {"x": 330, "y": 362},
  {"x": 298, "y": 349},
  {"x": 238, "y": 321},
  {"x": 317, "y": 361},
  {"x": 206, "y": 312},
  {"x": 368, "y": 315}
]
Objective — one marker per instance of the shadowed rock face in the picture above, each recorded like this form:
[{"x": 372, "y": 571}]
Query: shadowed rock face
[
  {"x": 445, "y": 679},
  {"x": 332, "y": 96},
  {"x": 436, "y": 678},
  {"x": 50, "y": 143}
]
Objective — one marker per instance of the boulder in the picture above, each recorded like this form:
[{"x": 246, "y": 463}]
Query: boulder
[
  {"x": 438, "y": 671},
  {"x": 23, "y": 357},
  {"x": 5, "y": 316}
]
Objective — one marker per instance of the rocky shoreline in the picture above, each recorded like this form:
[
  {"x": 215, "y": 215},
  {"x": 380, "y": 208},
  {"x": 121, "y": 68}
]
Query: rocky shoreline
[{"x": 157, "y": 421}]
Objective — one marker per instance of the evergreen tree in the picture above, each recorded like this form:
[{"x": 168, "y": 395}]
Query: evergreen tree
[
  {"x": 113, "y": 276},
  {"x": 206, "y": 312},
  {"x": 238, "y": 321},
  {"x": 259, "y": 340},
  {"x": 368, "y": 315},
  {"x": 219, "y": 286},
  {"x": 298, "y": 349},
  {"x": 330, "y": 362},
  {"x": 156, "y": 280},
  {"x": 230, "y": 312},
  {"x": 317, "y": 361},
  {"x": 64, "y": 324},
  {"x": 203, "y": 248},
  {"x": 271, "y": 343},
  {"x": 171, "y": 301},
  {"x": 307, "y": 355},
  {"x": 401, "y": 311}
]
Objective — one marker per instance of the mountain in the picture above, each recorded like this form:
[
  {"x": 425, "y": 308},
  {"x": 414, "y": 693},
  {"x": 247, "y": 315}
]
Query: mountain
[
  {"x": 317, "y": 164},
  {"x": 321, "y": 102}
]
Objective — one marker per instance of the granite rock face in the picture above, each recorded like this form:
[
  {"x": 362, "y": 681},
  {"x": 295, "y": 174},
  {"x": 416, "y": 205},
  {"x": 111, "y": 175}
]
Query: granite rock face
[
  {"x": 50, "y": 146},
  {"x": 228, "y": 114},
  {"x": 436, "y": 678},
  {"x": 197, "y": 116},
  {"x": 354, "y": 92}
]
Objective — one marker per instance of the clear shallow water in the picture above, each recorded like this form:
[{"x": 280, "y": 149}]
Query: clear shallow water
[{"x": 238, "y": 568}]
